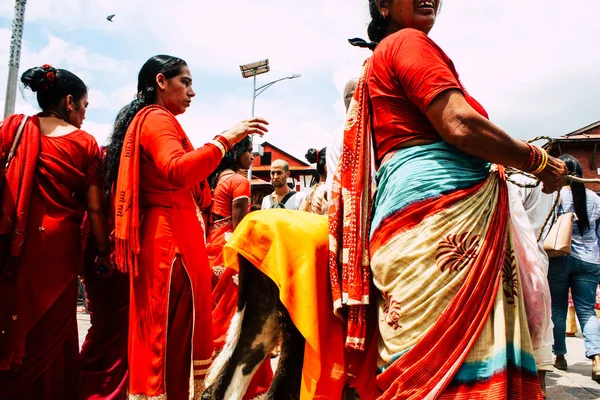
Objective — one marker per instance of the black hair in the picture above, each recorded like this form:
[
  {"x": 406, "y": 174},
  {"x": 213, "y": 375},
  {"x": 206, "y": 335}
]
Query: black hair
[
  {"x": 378, "y": 27},
  {"x": 170, "y": 67},
  {"x": 319, "y": 157},
  {"x": 52, "y": 85},
  {"x": 579, "y": 193},
  {"x": 229, "y": 160}
]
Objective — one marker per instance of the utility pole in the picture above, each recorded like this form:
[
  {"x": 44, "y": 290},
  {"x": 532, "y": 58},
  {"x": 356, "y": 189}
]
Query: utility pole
[{"x": 14, "y": 57}]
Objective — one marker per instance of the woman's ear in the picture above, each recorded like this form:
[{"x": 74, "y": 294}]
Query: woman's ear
[
  {"x": 70, "y": 103},
  {"x": 383, "y": 6},
  {"x": 161, "y": 81}
]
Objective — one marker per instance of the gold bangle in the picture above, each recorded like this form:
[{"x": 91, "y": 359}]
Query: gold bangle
[
  {"x": 220, "y": 145},
  {"x": 543, "y": 164}
]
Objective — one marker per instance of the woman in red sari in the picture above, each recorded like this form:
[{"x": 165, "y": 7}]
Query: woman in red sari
[
  {"x": 231, "y": 203},
  {"x": 160, "y": 185},
  {"x": 53, "y": 180}
]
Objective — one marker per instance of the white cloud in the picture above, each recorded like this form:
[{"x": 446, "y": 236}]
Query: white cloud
[
  {"x": 111, "y": 100},
  {"x": 205, "y": 119},
  {"x": 99, "y": 131},
  {"x": 531, "y": 64}
]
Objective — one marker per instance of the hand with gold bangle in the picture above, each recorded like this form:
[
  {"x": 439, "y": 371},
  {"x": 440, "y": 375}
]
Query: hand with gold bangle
[
  {"x": 543, "y": 163},
  {"x": 550, "y": 170}
]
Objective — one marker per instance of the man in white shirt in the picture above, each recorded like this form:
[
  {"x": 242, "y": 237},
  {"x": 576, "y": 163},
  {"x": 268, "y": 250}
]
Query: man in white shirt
[
  {"x": 334, "y": 148},
  {"x": 283, "y": 196}
]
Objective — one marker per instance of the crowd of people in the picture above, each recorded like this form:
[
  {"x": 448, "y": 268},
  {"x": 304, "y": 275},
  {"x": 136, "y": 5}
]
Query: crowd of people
[{"x": 436, "y": 261}]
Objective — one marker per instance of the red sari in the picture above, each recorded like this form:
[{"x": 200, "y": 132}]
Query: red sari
[
  {"x": 104, "y": 373},
  {"x": 231, "y": 187},
  {"x": 44, "y": 199},
  {"x": 160, "y": 240}
]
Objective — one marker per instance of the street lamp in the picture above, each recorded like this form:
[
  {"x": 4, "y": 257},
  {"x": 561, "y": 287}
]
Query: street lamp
[{"x": 252, "y": 70}]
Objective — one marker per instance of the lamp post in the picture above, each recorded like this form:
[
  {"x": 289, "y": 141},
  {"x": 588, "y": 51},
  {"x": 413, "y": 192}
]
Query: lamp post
[
  {"x": 252, "y": 70},
  {"x": 14, "y": 57}
]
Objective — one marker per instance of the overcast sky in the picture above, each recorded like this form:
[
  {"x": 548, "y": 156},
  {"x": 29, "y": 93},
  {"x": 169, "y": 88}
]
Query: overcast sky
[{"x": 533, "y": 65}]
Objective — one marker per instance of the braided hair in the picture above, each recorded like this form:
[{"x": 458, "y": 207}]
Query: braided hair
[{"x": 170, "y": 67}]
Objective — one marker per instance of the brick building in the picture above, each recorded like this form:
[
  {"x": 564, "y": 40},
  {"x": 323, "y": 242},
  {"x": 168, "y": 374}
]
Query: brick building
[
  {"x": 301, "y": 173},
  {"x": 583, "y": 145}
]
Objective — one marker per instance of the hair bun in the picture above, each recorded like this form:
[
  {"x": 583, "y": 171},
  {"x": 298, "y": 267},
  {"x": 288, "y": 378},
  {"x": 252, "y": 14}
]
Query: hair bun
[
  {"x": 39, "y": 78},
  {"x": 311, "y": 155}
]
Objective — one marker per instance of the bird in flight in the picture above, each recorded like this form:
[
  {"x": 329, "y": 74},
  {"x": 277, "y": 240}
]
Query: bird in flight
[{"x": 110, "y": 17}]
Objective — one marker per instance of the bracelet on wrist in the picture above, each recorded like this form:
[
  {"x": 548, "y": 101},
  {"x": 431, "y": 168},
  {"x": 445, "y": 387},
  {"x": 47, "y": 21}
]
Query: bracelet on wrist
[
  {"x": 537, "y": 160},
  {"x": 530, "y": 159},
  {"x": 543, "y": 164},
  {"x": 219, "y": 146},
  {"x": 226, "y": 141},
  {"x": 223, "y": 140}
]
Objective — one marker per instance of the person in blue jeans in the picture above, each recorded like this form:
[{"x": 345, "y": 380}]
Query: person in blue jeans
[{"x": 579, "y": 271}]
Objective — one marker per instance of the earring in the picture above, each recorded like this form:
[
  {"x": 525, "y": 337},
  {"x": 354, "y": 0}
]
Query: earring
[{"x": 383, "y": 14}]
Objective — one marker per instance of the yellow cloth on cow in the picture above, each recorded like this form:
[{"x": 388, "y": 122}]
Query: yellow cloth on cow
[{"x": 291, "y": 248}]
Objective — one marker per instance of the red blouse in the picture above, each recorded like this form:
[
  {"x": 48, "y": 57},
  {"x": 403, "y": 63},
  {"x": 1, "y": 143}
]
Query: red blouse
[
  {"x": 408, "y": 70},
  {"x": 230, "y": 188}
]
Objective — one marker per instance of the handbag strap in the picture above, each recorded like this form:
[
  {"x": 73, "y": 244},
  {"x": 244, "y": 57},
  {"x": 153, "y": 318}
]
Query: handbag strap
[
  {"x": 553, "y": 215},
  {"x": 16, "y": 141}
]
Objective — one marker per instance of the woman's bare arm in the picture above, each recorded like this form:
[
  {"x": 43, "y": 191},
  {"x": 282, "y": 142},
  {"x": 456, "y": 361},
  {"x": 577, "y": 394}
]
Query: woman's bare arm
[
  {"x": 98, "y": 219},
  {"x": 460, "y": 125},
  {"x": 239, "y": 209}
]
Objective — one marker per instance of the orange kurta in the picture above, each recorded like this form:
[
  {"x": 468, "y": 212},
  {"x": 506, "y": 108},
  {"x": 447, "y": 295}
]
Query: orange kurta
[
  {"x": 290, "y": 247},
  {"x": 170, "y": 233}
]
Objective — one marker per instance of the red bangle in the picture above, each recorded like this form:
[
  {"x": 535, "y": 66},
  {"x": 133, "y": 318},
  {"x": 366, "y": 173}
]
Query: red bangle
[
  {"x": 528, "y": 163},
  {"x": 534, "y": 161},
  {"x": 223, "y": 140}
]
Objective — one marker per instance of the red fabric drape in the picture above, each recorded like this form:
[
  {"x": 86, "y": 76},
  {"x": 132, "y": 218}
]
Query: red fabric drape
[{"x": 40, "y": 292}]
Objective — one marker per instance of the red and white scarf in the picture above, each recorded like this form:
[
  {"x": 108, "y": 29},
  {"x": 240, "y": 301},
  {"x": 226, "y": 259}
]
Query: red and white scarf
[{"x": 349, "y": 217}]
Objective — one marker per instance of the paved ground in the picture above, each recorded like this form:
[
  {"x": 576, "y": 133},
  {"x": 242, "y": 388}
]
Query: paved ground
[
  {"x": 573, "y": 384},
  {"x": 576, "y": 382},
  {"x": 83, "y": 323}
]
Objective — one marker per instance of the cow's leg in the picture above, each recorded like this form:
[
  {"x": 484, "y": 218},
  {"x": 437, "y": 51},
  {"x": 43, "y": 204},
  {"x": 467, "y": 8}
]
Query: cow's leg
[
  {"x": 253, "y": 334},
  {"x": 288, "y": 376}
]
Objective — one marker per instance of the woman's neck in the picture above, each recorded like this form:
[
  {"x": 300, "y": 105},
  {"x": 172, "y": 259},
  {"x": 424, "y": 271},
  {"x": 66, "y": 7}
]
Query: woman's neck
[{"x": 54, "y": 114}]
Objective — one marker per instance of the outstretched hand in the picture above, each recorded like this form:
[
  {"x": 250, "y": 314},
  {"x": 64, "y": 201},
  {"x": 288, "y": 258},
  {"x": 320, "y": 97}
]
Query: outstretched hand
[
  {"x": 252, "y": 126},
  {"x": 554, "y": 176}
]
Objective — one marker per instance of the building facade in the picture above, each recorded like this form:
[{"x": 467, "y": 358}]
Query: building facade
[{"x": 583, "y": 144}]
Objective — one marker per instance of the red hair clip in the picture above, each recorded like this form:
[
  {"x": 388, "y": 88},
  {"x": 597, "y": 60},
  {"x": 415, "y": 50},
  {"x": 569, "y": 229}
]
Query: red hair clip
[
  {"x": 50, "y": 76},
  {"x": 46, "y": 66}
]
